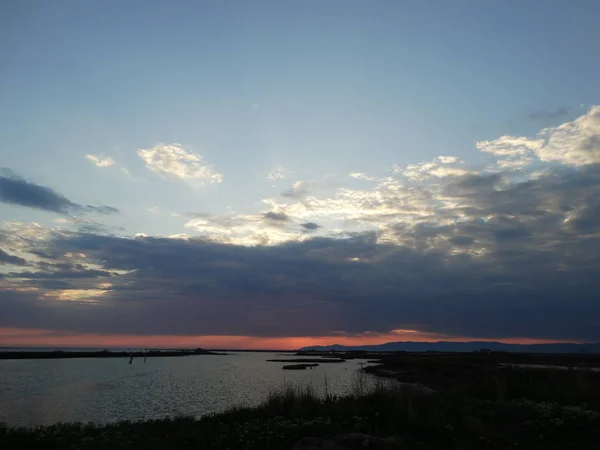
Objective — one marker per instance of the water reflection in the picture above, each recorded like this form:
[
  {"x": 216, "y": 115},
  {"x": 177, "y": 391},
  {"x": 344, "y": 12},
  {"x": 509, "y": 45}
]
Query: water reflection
[{"x": 36, "y": 392}]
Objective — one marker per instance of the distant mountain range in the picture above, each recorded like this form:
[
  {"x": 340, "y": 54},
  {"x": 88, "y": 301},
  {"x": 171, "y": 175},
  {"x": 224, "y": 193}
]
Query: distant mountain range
[{"x": 444, "y": 346}]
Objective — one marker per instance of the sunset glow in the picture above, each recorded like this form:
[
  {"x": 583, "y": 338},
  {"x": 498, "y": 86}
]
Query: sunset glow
[{"x": 15, "y": 337}]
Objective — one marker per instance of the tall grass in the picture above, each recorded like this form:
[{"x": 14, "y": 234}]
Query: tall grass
[
  {"x": 375, "y": 406},
  {"x": 491, "y": 419},
  {"x": 467, "y": 378}
]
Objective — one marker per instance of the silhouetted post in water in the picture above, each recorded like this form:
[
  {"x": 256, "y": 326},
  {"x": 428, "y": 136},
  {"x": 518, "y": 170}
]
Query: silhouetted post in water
[
  {"x": 130, "y": 357},
  {"x": 145, "y": 355}
]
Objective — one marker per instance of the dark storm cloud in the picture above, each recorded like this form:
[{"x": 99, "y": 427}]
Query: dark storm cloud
[
  {"x": 46, "y": 283},
  {"x": 61, "y": 275},
  {"x": 310, "y": 226},
  {"x": 469, "y": 184},
  {"x": 93, "y": 227},
  {"x": 6, "y": 258},
  {"x": 277, "y": 217},
  {"x": 315, "y": 286},
  {"x": 18, "y": 191},
  {"x": 521, "y": 261},
  {"x": 461, "y": 240},
  {"x": 549, "y": 114}
]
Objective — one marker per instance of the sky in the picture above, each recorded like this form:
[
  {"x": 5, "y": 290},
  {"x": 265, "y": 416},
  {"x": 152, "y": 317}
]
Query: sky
[{"x": 281, "y": 174}]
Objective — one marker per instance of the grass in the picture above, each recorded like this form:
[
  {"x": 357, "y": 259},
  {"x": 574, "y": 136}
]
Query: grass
[
  {"x": 497, "y": 409},
  {"x": 474, "y": 377}
]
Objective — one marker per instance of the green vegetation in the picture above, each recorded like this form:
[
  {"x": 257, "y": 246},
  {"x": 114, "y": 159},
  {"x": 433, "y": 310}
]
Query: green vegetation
[
  {"x": 482, "y": 378},
  {"x": 474, "y": 406}
]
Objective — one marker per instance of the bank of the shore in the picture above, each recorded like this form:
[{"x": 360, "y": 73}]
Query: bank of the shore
[
  {"x": 410, "y": 418},
  {"x": 468, "y": 403},
  {"x": 484, "y": 378}
]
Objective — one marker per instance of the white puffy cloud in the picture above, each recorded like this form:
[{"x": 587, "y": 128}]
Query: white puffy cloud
[
  {"x": 574, "y": 143},
  {"x": 442, "y": 193},
  {"x": 105, "y": 162},
  {"x": 362, "y": 176},
  {"x": 514, "y": 163},
  {"x": 448, "y": 159},
  {"x": 510, "y": 146},
  {"x": 101, "y": 161},
  {"x": 278, "y": 173},
  {"x": 268, "y": 228},
  {"x": 440, "y": 167},
  {"x": 298, "y": 190},
  {"x": 356, "y": 210},
  {"x": 172, "y": 160}
]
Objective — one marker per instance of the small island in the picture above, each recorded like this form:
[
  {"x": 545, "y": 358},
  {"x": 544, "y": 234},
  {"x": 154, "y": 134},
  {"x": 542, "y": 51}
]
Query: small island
[
  {"x": 309, "y": 360},
  {"x": 299, "y": 366}
]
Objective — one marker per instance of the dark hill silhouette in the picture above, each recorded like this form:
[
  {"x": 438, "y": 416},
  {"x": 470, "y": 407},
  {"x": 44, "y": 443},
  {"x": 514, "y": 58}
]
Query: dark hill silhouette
[{"x": 473, "y": 346}]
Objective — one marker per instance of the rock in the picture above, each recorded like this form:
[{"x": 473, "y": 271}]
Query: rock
[{"x": 351, "y": 441}]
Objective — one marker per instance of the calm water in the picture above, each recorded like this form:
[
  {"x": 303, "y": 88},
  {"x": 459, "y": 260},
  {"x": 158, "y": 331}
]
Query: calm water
[{"x": 42, "y": 392}]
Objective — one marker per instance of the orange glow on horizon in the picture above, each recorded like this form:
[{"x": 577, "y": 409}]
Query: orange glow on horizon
[{"x": 21, "y": 337}]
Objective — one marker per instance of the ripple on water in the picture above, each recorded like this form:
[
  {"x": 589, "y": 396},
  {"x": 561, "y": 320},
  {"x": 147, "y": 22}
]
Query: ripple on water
[{"x": 42, "y": 392}]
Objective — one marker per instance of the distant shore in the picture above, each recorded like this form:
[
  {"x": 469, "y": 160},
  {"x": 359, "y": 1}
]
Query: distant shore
[{"x": 61, "y": 354}]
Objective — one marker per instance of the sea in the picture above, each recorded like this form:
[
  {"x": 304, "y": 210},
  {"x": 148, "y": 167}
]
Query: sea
[{"x": 101, "y": 390}]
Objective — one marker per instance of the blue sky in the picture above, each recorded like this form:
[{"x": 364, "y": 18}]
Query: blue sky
[{"x": 202, "y": 118}]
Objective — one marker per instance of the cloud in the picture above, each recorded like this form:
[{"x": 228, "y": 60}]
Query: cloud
[
  {"x": 517, "y": 163},
  {"x": 268, "y": 228},
  {"x": 278, "y": 173},
  {"x": 549, "y": 114},
  {"x": 510, "y": 146},
  {"x": 435, "y": 282},
  {"x": 310, "y": 226},
  {"x": 104, "y": 162},
  {"x": 438, "y": 247},
  {"x": 362, "y": 176},
  {"x": 101, "y": 161},
  {"x": 18, "y": 191},
  {"x": 172, "y": 160},
  {"x": 86, "y": 225},
  {"x": 277, "y": 217},
  {"x": 440, "y": 167},
  {"x": 575, "y": 143},
  {"x": 6, "y": 258},
  {"x": 298, "y": 190},
  {"x": 76, "y": 271},
  {"x": 448, "y": 159}
]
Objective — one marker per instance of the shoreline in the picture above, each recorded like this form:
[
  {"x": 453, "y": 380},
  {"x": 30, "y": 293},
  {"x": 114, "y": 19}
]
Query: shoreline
[{"x": 388, "y": 416}]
